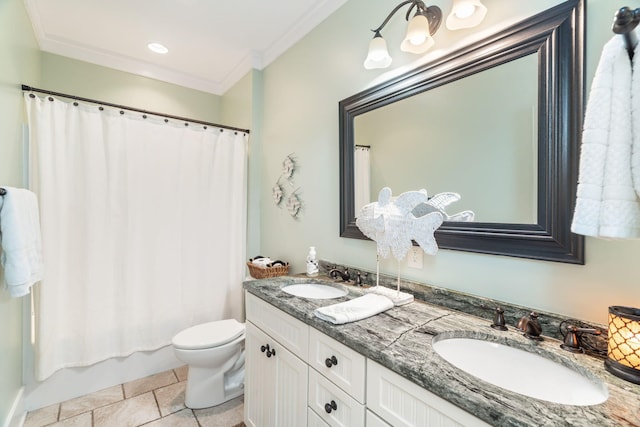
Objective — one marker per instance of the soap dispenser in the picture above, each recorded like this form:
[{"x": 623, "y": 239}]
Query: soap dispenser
[{"x": 312, "y": 263}]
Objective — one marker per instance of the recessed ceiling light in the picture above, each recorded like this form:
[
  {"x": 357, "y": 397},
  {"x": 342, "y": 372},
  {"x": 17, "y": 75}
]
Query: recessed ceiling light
[{"x": 157, "y": 48}]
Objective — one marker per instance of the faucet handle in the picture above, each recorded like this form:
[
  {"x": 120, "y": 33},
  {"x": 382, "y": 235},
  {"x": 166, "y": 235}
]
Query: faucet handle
[
  {"x": 531, "y": 326},
  {"x": 572, "y": 341},
  {"x": 498, "y": 317}
]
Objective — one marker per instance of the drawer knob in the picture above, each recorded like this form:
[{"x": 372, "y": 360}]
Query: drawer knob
[
  {"x": 330, "y": 406},
  {"x": 331, "y": 361},
  {"x": 269, "y": 351}
]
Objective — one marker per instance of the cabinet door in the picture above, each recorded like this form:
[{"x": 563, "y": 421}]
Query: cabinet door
[
  {"x": 260, "y": 379},
  {"x": 285, "y": 329},
  {"x": 290, "y": 388},
  {"x": 402, "y": 403},
  {"x": 275, "y": 383}
]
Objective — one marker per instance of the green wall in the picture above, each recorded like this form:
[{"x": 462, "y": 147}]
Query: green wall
[
  {"x": 20, "y": 60},
  {"x": 73, "y": 77},
  {"x": 302, "y": 89},
  {"x": 242, "y": 107}
]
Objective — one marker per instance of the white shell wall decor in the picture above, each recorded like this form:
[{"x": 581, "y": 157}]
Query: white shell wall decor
[
  {"x": 294, "y": 204},
  {"x": 277, "y": 192},
  {"x": 280, "y": 191},
  {"x": 288, "y": 166}
]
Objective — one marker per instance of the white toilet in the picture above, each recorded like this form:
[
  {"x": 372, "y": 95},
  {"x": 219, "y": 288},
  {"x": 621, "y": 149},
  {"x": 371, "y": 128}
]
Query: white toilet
[{"x": 214, "y": 352}]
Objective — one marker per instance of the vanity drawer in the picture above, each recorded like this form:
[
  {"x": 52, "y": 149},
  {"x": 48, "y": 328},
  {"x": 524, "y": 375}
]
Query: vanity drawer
[
  {"x": 314, "y": 420},
  {"x": 374, "y": 421},
  {"x": 349, "y": 371},
  {"x": 346, "y": 412},
  {"x": 287, "y": 330}
]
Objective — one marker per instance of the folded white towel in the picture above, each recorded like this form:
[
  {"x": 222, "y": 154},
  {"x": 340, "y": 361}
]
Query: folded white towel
[
  {"x": 262, "y": 262},
  {"x": 606, "y": 204},
  {"x": 398, "y": 298},
  {"x": 21, "y": 241},
  {"x": 353, "y": 310}
]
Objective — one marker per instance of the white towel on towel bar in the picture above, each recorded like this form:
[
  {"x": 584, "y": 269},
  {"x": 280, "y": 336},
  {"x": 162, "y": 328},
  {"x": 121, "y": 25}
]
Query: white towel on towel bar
[
  {"x": 21, "y": 240},
  {"x": 635, "y": 118},
  {"x": 353, "y": 310},
  {"x": 606, "y": 204}
]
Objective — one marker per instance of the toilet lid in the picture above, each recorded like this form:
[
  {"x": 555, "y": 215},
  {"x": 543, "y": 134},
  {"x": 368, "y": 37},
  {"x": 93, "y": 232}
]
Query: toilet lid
[{"x": 207, "y": 335}]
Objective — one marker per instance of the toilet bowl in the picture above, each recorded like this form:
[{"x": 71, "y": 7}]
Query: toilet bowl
[{"x": 214, "y": 353}]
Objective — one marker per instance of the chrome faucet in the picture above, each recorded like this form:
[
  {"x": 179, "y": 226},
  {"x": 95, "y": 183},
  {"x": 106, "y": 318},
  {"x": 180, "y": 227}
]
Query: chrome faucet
[
  {"x": 531, "y": 326},
  {"x": 344, "y": 275}
]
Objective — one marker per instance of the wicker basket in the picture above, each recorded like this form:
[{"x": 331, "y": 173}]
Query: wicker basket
[{"x": 259, "y": 272}]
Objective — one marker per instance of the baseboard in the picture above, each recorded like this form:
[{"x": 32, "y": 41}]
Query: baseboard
[
  {"x": 70, "y": 383},
  {"x": 17, "y": 414}
]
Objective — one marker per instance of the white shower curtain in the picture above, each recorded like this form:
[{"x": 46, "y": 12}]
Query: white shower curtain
[
  {"x": 143, "y": 230},
  {"x": 362, "y": 166}
]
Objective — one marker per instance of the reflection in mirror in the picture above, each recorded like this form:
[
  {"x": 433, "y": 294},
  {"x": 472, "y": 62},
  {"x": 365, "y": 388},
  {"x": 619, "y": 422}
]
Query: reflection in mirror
[
  {"x": 434, "y": 141},
  {"x": 497, "y": 122}
]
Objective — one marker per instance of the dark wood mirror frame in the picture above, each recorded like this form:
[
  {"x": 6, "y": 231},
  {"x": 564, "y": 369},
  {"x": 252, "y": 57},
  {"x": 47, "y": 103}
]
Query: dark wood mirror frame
[{"x": 556, "y": 36}]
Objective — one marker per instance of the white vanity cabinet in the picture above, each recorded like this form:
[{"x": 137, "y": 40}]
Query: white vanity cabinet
[
  {"x": 402, "y": 403},
  {"x": 276, "y": 377},
  {"x": 306, "y": 378}
]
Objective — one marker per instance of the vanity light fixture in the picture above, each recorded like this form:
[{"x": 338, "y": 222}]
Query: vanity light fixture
[
  {"x": 421, "y": 28},
  {"x": 157, "y": 48},
  {"x": 623, "y": 352}
]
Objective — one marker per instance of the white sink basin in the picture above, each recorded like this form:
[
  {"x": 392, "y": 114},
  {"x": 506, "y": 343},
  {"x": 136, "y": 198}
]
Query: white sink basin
[
  {"x": 315, "y": 291},
  {"x": 521, "y": 372}
]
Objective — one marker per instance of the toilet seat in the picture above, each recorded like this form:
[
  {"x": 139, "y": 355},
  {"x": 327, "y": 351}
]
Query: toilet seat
[{"x": 208, "y": 335}]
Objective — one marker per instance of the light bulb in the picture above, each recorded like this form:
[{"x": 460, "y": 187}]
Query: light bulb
[
  {"x": 465, "y": 10},
  {"x": 466, "y": 14},
  {"x": 417, "y": 39}
]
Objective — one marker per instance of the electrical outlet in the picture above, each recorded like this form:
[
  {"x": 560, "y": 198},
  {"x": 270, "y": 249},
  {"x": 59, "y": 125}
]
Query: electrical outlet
[{"x": 415, "y": 257}]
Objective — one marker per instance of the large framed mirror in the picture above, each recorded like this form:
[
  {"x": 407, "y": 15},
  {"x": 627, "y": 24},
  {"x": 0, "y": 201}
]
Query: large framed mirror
[{"x": 498, "y": 122}]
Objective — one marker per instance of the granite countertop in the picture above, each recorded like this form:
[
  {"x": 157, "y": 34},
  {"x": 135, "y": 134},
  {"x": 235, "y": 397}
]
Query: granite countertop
[{"x": 401, "y": 338}]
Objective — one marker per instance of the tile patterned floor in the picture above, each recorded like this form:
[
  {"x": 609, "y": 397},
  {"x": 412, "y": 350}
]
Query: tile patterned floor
[{"x": 154, "y": 401}]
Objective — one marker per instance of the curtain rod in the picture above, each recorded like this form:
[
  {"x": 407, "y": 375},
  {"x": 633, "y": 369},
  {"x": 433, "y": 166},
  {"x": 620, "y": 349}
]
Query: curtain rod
[{"x": 124, "y": 107}]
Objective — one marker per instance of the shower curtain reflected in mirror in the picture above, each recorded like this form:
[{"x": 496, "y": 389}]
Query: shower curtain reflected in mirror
[
  {"x": 143, "y": 226},
  {"x": 362, "y": 175}
]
